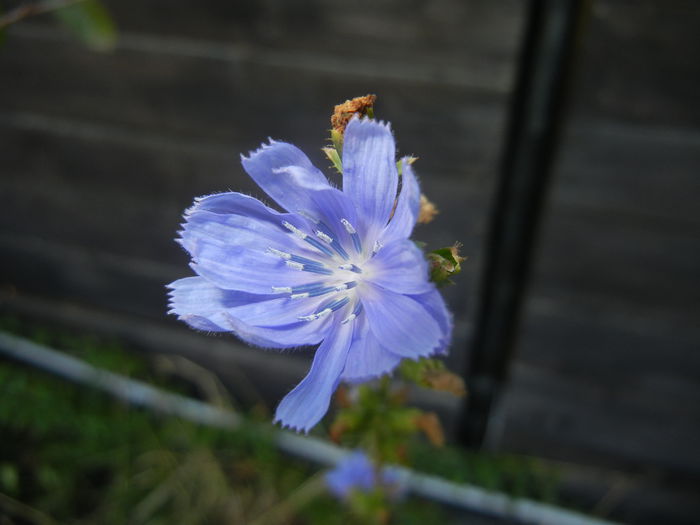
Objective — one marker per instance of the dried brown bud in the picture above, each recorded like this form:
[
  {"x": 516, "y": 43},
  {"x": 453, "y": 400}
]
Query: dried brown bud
[
  {"x": 430, "y": 425},
  {"x": 342, "y": 397},
  {"x": 345, "y": 111},
  {"x": 446, "y": 381},
  {"x": 338, "y": 428},
  {"x": 428, "y": 210}
]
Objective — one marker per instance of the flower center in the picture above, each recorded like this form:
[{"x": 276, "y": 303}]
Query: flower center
[{"x": 339, "y": 269}]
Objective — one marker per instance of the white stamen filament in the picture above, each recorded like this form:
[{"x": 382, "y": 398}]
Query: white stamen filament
[
  {"x": 296, "y": 231},
  {"x": 348, "y": 319},
  {"x": 308, "y": 216},
  {"x": 348, "y": 227},
  {"x": 279, "y": 253},
  {"x": 318, "y": 315},
  {"x": 324, "y": 237}
]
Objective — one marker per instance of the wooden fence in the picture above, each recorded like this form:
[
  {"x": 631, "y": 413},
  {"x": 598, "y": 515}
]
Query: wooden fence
[{"x": 101, "y": 152}]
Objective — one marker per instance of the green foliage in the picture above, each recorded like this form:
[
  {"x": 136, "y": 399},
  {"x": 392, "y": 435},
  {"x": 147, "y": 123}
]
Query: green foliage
[
  {"x": 432, "y": 373},
  {"x": 81, "y": 457},
  {"x": 78, "y": 455},
  {"x": 378, "y": 422},
  {"x": 415, "y": 370},
  {"x": 518, "y": 476},
  {"x": 91, "y": 23}
]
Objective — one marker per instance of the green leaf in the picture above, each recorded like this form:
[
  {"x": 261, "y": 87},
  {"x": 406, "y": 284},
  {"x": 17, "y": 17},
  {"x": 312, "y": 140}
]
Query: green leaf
[
  {"x": 415, "y": 371},
  {"x": 91, "y": 23},
  {"x": 9, "y": 478}
]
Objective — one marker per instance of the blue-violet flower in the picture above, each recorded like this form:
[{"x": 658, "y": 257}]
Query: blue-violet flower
[
  {"x": 337, "y": 268},
  {"x": 356, "y": 473}
]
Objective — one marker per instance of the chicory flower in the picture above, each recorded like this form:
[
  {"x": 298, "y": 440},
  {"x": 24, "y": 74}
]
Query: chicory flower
[
  {"x": 356, "y": 473},
  {"x": 336, "y": 268}
]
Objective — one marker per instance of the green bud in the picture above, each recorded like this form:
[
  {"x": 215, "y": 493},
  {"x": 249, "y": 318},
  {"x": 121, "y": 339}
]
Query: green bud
[{"x": 444, "y": 263}]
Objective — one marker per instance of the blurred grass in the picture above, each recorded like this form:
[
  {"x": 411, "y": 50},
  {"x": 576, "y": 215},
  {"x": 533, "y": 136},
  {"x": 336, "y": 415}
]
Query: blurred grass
[{"x": 73, "y": 455}]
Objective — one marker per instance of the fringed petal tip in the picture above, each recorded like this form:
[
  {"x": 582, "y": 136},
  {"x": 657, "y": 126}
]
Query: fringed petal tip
[
  {"x": 369, "y": 377},
  {"x": 290, "y": 426},
  {"x": 199, "y": 202},
  {"x": 367, "y": 121},
  {"x": 263, "y": 147}
]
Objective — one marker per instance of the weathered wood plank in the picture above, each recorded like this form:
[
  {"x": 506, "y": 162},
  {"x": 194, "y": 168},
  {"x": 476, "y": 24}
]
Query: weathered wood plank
[
  {"x": 616, "y": 342},
  {"x": 607, "y": 365},
  {"x": 618, "y": 256},
  {"x": 638, "y": 62},
  {"x": 638, "y": 172},
  {"x": 560, "y": 415},
  {"x": 185, "y": 97},
  {"x": 476, "y": 36}
]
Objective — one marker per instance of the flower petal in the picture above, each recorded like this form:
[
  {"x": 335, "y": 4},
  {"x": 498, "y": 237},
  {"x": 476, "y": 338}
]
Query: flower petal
[
  {"x": 289, "y": 187},
  {"x": 233, "y": 251},
  {"x": 196, "y": 295},
  {"x": 354, "y": 472},
  {"x": 434, "y": 303},
  {"x": 263, "y": 320},
  {"x": 332, "y": 207},
  {"x": 370, "y": 177},
  {"x": 400, "y": 323},
  {"x": 407, "y": 207},
  {"x": 302, "y": 333},
  {"x": 400, "y": 267},
  {"x": 367, "y": 359},
  {"x": 304, "y": 406}
]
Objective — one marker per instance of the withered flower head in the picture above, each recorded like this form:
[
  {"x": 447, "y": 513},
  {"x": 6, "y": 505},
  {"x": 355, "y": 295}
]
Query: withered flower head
[{"x": 342, "y": 113}]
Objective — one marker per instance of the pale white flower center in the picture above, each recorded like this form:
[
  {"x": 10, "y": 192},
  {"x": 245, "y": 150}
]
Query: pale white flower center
[{"x": 341, "y": 271}]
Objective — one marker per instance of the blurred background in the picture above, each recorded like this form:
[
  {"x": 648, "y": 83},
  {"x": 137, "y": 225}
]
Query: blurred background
[{"x": 114, "y": 116}]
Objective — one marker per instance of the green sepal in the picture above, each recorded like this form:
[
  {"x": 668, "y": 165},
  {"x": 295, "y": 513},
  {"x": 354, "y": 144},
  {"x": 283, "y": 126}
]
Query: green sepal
[
  {"x": 399, "y": 163},
  {"x": 333, "y": 156},
  {"x": 337, "y": 140}
]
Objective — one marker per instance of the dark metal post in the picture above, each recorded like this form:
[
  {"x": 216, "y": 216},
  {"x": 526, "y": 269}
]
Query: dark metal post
[{"x": 530, "y": 143}]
